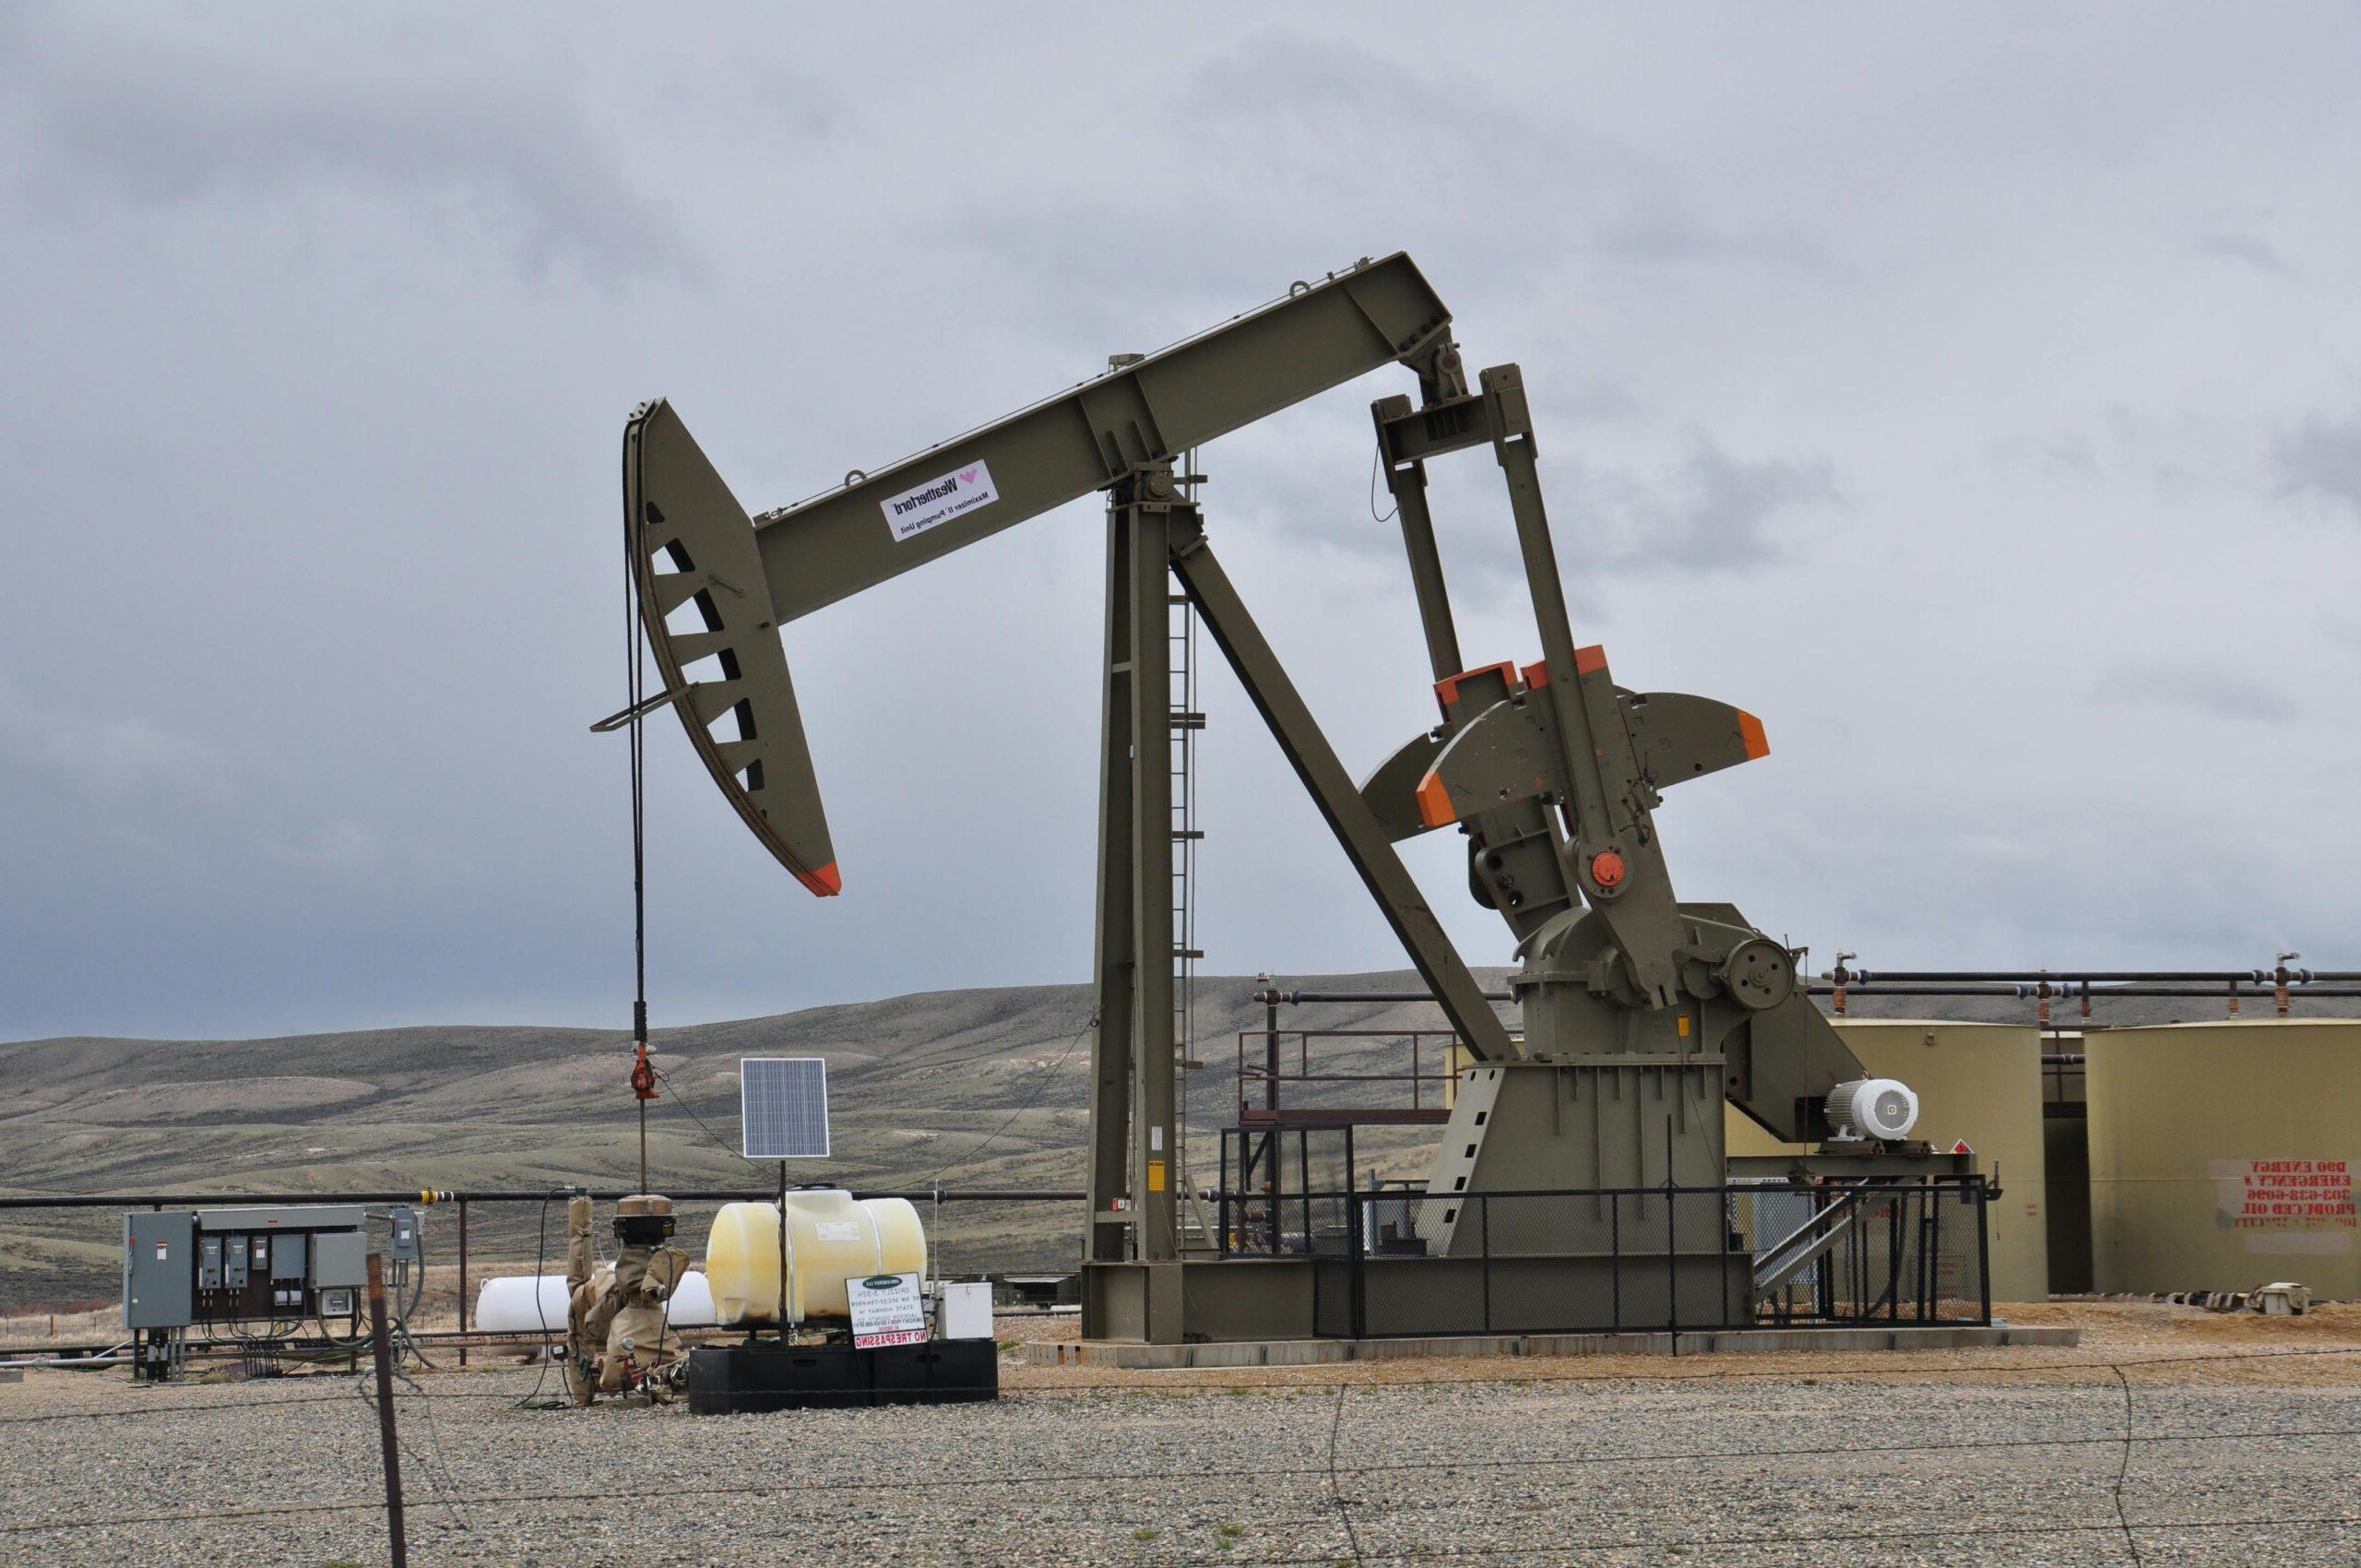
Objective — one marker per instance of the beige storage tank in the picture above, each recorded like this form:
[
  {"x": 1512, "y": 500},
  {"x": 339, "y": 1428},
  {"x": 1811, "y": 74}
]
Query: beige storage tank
[
  {"x": 831, "y": 1237},
  {"x": 1976, "y": 1082},
  {"x": 2223, "y": 1153}
]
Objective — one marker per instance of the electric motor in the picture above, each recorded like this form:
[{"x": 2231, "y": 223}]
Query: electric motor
[{"x": 1883, "y": 1109}]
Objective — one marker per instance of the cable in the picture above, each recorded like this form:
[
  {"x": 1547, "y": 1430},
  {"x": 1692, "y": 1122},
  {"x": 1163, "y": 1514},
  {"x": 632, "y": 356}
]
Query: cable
[
  {"x": 418, "y": 1461},
  {"x": 2130, "y": 1541},
  {"x": 1688, "y": 1543},
  {"x": 665, "y": 1080},
  {"x": 1575, "y": 1374},
  {"x": 754, "y": 1488},
  {"x": 1376, "y": 460},
  {"x": 635, "y": 684},
  {"x": 1040, "y": 1081},
  {"x": 1334, "y": 1469},
  {"x": 541, "y": 1309},
  {"x": 1335, "y": 1488}
]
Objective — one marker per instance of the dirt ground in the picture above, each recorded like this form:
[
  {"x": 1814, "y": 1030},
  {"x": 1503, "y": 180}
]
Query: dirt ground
[{"x": 2169, "y": 1436}]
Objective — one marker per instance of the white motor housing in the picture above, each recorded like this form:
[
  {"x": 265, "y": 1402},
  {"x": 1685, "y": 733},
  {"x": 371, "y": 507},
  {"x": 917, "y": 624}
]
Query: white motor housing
[{"x": 1882, "y": 1109}]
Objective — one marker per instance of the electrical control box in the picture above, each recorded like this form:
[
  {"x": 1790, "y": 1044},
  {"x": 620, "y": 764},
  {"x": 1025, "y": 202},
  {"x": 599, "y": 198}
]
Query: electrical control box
[
  {"x": 256, "y": 1267},
  {"x": 158, "y": 1269},
  {"x": 287, "y": 1250},
  {"x": 340, "y": 1258},
  {"x": 404, "y": 1242}
]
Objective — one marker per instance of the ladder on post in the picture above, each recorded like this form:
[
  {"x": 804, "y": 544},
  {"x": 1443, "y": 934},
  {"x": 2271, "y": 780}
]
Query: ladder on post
[{"x": 1187, "y": 719}]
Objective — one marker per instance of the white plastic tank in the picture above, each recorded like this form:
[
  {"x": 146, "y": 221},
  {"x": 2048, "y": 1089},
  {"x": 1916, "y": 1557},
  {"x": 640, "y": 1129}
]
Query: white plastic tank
[
  {"x": 831, "y": 1237},
  {"x": 509, "y": 1304}
]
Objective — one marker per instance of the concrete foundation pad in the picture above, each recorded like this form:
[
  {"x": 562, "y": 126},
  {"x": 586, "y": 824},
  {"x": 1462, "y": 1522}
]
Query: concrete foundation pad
[{"x": 1321, "y": 1352}]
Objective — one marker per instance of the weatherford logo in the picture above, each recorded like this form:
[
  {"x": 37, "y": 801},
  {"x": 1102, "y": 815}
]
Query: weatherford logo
[
  {"x": 938, "y": 499},
  {"x": 882, "y": 1282}
]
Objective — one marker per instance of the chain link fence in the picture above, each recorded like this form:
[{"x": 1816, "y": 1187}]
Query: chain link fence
[{"x": 1396, "y": 1263}]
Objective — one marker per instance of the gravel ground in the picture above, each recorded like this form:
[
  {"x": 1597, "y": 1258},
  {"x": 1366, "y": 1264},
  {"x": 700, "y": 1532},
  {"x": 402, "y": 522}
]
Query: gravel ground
[{"x": 1974, "y": 1457}]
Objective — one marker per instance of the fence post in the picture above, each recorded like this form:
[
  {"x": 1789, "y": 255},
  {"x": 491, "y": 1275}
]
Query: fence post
[
  {"x": 1484, "y": 1239},
  {"x": 1671, "y": 1263},
  {"x": 1722, "y": 1207},
  {"x": 1360, "y": 1296},
  {"x": 1984, "y": 1249},
  {"x": 384, "y": 1360},
  {"x": 1893, "y": 1234},
  {"x": 1615, "y": 1259},
  {"x": 463, "y": 1278},
  {"x": 1933, "y": 1264}
]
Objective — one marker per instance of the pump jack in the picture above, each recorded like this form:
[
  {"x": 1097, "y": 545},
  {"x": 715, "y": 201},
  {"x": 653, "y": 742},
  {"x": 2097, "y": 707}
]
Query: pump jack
[{"x": 1642, "y": 1013}]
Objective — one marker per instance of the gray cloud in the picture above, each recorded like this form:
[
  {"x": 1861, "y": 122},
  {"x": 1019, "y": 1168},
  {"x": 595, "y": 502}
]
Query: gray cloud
[
  {"x": 1704, "y": 513},
  {"x": 151, "y": 123},
  {"x": 1303, "y": 146},
  {"x": 2321, "y": 459},
  {"x": 2195, "y": 688},
  {"x": 1368, "y": 120},
  {"x": 2061, "y": 454},
  {"x": 2245, "y": 249},
  {"x": 1710, "y": 513}
]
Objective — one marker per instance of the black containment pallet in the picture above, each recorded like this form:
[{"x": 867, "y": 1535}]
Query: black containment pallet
[{"x": 729, "y": 1380}]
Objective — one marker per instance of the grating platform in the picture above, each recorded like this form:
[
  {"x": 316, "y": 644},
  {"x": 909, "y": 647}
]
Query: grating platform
[{"x": 1319, "y": 1352}]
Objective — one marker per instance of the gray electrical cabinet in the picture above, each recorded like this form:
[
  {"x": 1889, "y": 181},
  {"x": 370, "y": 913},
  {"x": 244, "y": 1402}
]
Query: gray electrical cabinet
[
  {"x": 262, "y": 1266},
  {"x": 158, "y": 1269}
]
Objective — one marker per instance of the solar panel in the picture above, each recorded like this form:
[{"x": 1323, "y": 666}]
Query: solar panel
[{"x": 783, "y": 1107}]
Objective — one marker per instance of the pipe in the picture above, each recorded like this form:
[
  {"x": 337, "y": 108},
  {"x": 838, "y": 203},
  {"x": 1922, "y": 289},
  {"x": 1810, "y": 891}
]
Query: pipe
[
  {"x": 2096, "y": 993},
  {"x": 1271, "y": 998},
  {"x": 237, "y": 1200},
  {"x": 1920, "y": 983},
  {"x": 2057, "y": 976}
]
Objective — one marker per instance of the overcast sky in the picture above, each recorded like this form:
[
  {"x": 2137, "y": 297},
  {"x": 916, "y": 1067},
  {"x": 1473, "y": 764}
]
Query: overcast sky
[{"x": 1974, "y": 394}]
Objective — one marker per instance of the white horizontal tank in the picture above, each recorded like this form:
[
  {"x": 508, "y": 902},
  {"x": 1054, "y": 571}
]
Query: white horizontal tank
[{"x": 509, "y": 1303}]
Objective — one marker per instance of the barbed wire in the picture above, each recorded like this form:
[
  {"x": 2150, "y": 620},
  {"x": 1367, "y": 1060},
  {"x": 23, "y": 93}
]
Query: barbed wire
[
  {"x": 2130, "y": 1541},
  {"x": 1335, "y": 1469},
  {"x": 1335, "y": 1485},
  {"x": 1224, "y": 1381}
]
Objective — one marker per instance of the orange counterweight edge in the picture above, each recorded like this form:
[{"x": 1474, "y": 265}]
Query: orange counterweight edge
[
  {"x": 1434, "y": 802},
  {"x": 1749, "y": 731},
  {"x": 1447, "y": 689}
]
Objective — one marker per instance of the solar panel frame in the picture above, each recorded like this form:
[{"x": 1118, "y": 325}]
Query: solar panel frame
[{"x": 783, "y": 1107}]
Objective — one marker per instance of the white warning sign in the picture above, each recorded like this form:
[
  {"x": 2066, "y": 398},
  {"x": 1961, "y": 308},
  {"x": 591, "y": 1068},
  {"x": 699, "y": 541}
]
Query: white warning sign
[
  {"x": 2286, "y": 1206},
  {"x": 886, "y": 1310},
  {"x": 936, "y": 501}
]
